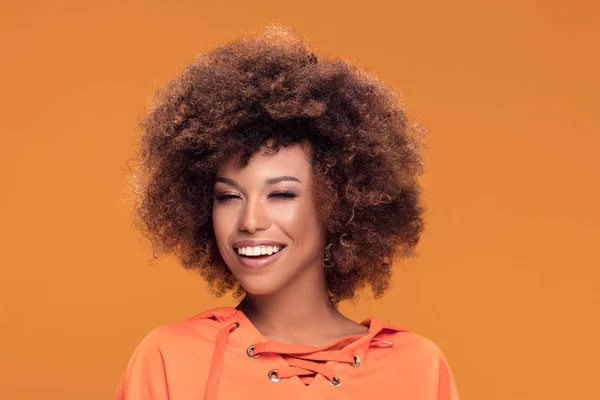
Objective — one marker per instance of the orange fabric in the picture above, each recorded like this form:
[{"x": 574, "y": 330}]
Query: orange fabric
[{"x": 219, "y": 354}]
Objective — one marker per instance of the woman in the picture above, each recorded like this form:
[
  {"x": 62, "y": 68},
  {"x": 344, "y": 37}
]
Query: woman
[{"x": 291, "y": 180}]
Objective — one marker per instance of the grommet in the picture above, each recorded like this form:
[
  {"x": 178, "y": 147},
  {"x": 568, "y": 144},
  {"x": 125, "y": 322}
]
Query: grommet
[
  {"x": 356, "y": 361},
  {"x": 273, "y": 375},
  {"x": 335, "y": 381},
  {"x": 249, "y": 352}
]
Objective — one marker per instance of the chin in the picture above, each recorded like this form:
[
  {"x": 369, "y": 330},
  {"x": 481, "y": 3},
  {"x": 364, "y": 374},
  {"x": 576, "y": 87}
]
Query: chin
[{"x": 259, "y": 285}]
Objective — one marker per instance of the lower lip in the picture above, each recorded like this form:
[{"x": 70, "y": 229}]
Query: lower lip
[{"x": 259, "y": 262}]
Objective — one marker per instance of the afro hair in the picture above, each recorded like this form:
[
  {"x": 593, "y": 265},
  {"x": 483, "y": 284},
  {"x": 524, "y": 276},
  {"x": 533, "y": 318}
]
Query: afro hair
[{"x": 228, "y": 102}]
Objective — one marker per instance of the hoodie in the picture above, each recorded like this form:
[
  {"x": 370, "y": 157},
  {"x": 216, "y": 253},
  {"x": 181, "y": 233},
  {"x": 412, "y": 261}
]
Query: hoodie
[{"x": 219, "y": 354}]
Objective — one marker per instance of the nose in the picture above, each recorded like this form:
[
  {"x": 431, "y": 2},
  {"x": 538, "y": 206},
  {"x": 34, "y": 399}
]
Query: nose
[{"x": 254, "y": 217}]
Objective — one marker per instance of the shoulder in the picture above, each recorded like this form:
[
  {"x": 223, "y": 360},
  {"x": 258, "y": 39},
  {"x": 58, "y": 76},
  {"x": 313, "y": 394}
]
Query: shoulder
[
  {"x": 428, "y": 362},
  {"x": 199, "y": 328},
  {"x": 420, "y": 358},
  {"x": 411, "y": 354},
  {"x": 417, "y": 347},
  {"x": 410, "y": 346}
]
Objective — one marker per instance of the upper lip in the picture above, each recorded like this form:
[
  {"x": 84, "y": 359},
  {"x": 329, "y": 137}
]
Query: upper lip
[{"x": 256, "y": 242}]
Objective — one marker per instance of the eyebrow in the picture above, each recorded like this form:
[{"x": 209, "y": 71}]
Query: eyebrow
[{"x": 270, "y": 181}]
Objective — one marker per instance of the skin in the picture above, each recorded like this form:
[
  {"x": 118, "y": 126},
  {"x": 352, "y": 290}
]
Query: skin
[{"x": 247, "y": 207}]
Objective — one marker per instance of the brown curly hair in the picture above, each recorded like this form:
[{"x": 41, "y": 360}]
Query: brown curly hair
[{"x": 228, "y": 102}]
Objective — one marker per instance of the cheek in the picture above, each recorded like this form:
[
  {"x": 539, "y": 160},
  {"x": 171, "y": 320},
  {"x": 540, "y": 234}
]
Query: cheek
[
  {"x": 221, "y": 224},
  {"x": 298, "y": 220}
]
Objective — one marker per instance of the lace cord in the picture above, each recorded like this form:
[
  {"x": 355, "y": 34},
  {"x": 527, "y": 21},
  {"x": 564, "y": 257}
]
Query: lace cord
[
  {"x": 303, "y": 361},
  {"x": 216, "y": 364}
]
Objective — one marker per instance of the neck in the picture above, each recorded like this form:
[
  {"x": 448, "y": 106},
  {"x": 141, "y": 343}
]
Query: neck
[{"x": 300, "y": 309}]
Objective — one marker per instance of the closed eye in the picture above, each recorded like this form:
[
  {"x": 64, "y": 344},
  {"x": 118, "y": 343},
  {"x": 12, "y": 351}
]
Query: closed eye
[
  {"x": 286, "y": 195},
  {"x": 225, "y": 197}
]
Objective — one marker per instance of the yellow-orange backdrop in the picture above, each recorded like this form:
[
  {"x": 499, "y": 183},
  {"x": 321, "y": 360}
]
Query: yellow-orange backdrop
[{"x": 506, "y": 281}]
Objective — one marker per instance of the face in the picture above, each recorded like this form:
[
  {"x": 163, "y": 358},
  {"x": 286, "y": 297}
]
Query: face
[{"x": 268, "y": 207}]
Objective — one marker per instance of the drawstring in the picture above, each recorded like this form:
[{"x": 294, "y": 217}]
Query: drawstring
[
  {"x": 216, "y": 365},
  {"x": 303, "y": 361}
]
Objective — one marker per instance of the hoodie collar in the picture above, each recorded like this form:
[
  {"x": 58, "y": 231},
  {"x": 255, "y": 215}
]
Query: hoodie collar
[
  {"x": 304, "y": 361},
  {"x": 224, "y": 315}
]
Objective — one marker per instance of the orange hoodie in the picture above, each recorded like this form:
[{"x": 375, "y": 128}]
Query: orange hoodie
[{"x": 219, "y": 354}]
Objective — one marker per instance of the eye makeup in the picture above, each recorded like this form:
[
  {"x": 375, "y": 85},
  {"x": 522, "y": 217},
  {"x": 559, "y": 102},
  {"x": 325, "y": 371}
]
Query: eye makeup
[{"x": 285, "y": 195}]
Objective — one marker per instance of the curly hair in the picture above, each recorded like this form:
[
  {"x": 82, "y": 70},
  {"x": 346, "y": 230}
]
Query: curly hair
[{"x": 228, "y": 102}]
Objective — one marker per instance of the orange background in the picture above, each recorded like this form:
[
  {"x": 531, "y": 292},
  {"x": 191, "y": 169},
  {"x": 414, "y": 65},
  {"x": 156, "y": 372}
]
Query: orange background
[{"x": 507, "y": 278}]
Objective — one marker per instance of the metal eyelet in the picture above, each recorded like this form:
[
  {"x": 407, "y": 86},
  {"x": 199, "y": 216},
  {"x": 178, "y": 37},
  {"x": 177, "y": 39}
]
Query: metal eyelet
[
  {"x": 356, "y": 361},
  {"x": 249, "y": 352},
  {"x": 335, "y": 381},
  {"x": 273, "y": 375}
]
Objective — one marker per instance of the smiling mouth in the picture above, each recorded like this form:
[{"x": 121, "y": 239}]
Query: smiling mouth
[
  {"x": 258, "y": 251},
  {"x": 260, "y": 257},
  {"x": 253, "y": 258}
]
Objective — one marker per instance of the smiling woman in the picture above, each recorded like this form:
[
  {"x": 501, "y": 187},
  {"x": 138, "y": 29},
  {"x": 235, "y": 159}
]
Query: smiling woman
[
  {"x": 291, "y": 180},
  {"x": 261, "y": 209}
]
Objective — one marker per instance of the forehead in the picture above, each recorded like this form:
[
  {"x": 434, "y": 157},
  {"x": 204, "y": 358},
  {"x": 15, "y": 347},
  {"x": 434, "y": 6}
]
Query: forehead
[{"x": 291, "y": 160}]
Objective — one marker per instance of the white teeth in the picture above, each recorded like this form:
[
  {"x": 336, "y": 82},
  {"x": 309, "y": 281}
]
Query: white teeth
[{"x": 258, "y": 250}]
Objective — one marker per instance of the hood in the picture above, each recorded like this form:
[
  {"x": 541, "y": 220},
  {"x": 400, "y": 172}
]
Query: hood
[{"x": 303, "y": 361}]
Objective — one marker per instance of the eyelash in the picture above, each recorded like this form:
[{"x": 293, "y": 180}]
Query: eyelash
[{"x": 284, "y": 195}]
